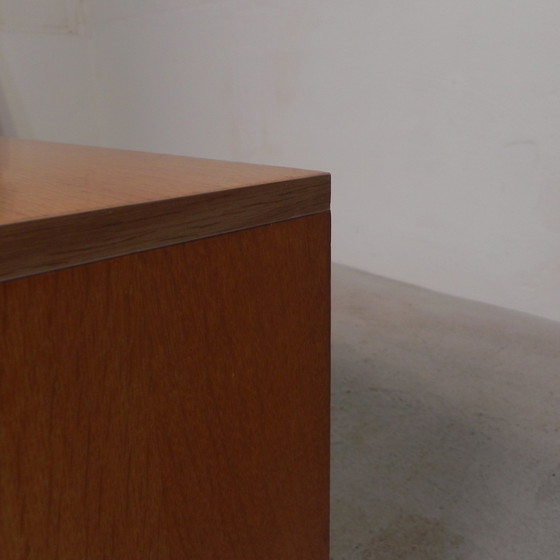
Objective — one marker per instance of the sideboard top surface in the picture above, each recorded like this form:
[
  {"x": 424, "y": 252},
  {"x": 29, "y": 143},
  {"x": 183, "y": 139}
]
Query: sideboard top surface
[
  {"x": 62, "y": 205},
  {"x": 44, "y": 180}
]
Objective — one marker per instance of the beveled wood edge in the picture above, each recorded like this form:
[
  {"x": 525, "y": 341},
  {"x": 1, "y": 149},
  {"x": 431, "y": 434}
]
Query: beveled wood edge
[{"x": 28, "y": 248}]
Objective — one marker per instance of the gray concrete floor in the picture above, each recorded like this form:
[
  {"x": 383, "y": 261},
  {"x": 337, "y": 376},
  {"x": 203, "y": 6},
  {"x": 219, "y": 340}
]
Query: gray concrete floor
[{"x": 446, "y": 427}]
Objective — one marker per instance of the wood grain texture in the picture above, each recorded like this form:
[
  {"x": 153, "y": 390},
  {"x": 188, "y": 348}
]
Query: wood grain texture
[
  {"x": 62, "y": 205},
  {"x": 171, "y": 404}
]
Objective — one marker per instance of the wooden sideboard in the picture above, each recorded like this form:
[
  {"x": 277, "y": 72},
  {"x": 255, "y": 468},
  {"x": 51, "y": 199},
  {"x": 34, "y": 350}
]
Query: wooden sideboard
[{"x": 164, "y": 357}]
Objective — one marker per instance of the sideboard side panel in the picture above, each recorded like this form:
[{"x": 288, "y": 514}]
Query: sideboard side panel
[{"x": 171, "y": 404}]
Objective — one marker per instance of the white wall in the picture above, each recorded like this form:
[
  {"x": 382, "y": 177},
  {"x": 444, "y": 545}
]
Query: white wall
[
  {"x": 440, "y": 121},
  {"x": 46, "y": 79}
]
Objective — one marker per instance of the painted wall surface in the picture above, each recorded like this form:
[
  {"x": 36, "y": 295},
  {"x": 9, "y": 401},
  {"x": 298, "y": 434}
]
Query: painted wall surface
[{"x": 47, "y": 87}]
